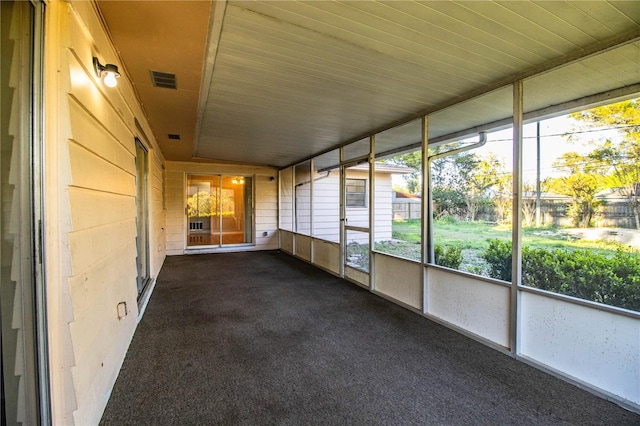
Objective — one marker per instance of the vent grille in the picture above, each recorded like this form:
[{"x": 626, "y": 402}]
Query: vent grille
[
  {"x": 164, "y": 79},
  {"x": 174, "y": 136}
]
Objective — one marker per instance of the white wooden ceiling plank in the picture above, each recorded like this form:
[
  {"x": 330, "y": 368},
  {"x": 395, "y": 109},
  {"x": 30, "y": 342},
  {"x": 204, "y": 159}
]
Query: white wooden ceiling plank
[
  {"x": 255, "y": 97},
  {"x": 256, "y": 71},
  {"x": 311, "y": 38},
  {"x": 296, "y": 114},
  {"x": 379, "y": 67},
  {"x": 560, "y": 25},
  {"x": 574, "y": 17},
  {"x": 438, "y": 24},
  {"x": 631, "y": 9},
  {"x": 386, "y": 24},
  {"x": 609, "y": 15},
  {"x": 248, "y": 115},
  {"x": 495, "y": 24},
  {"x": 328, "y": 112},
  {"x": 629, "y": 58},
  {"x": 534, "y": 31},
  {"x": 612, "y": 72},
  {"x": 277, "y": 85},
  {"x": 317, "y": 69},
  {"x": 319, "y": 19},
  {"x": 326, "y": 72}
]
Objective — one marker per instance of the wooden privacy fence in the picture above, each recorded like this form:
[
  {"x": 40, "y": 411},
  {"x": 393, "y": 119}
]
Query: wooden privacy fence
[
  {"x": 609, "y": 215},
  {"x": 406, "y": 209}
]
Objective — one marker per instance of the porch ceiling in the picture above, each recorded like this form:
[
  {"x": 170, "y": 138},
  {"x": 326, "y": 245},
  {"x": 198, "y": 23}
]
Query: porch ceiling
[{"x": 271, "y": 82}]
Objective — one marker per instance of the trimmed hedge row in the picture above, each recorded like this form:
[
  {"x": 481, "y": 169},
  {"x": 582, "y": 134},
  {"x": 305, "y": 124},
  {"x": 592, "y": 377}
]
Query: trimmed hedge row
[{"x": 610, "y": 280}]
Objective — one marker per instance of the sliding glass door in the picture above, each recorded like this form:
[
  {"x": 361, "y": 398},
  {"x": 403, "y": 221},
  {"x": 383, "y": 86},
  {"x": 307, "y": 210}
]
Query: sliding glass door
[
  {"x": 219, "y": 210},
  {"x": 23, "y": 348}
]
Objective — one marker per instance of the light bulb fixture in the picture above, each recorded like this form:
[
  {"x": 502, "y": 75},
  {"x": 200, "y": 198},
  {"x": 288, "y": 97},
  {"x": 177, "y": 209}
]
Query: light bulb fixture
[{"x": 109, "y": 72}]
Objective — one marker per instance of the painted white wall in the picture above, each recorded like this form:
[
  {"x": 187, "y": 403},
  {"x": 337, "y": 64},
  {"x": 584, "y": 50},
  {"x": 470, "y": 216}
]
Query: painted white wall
[
  {"x": 594, "y": 346},
  {"x": 266, "y": 207},
  {"x": 286, "y": 241},
  {"x": 475, "y": 305},
  {"x": 326, "y": 255},
  {"x": 90, "y": 181},
  {"x": 357, "y": 276},
  {"x": 303, "y": 247},
  {"x": 399, "y": 279}
]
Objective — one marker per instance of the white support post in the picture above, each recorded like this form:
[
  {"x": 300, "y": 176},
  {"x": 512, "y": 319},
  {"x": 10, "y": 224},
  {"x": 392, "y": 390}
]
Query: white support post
[
  {"x": 372, "y": 201},
  {"x": 312, "y": 257},
  {"x": 516, "y": 224},
  {"x": 343, "y": 215},
  {"x": 425, "y": 231}
]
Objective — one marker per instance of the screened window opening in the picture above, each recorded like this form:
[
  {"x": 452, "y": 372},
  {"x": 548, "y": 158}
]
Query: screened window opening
[{"x": 580, "y": 208}]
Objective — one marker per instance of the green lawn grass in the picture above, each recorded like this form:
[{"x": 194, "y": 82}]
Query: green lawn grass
[{"x": 473, "y": 237}]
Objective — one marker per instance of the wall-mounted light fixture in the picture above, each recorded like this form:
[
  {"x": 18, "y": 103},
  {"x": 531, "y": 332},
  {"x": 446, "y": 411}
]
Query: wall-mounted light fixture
[{"x": 108, "y": 72}]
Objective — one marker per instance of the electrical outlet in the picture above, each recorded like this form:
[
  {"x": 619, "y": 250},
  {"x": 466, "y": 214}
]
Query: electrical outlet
[{"x": 122, "y": 310}]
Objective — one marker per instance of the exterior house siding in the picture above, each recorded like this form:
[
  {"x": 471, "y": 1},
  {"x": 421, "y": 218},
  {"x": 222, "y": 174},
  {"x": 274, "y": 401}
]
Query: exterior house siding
[
  {"x": 326, "y": 211},
  {"x": 94, "y": 174}
]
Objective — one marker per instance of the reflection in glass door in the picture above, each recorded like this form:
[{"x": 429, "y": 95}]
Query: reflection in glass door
[{"x": 219, "y": 210}]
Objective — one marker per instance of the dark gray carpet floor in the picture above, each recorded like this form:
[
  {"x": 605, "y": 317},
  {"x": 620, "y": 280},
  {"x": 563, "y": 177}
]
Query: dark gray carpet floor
[{"x": 263, "y": 338}]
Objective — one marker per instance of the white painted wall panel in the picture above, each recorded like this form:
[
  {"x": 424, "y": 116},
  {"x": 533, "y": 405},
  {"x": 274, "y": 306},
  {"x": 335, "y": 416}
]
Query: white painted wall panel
[
  {"x": 399, "y": 279},
  {"x": 286, "y": 241},
  {"x": 303, "y": 247},
  {"x": 474, "y": 305},
  {"x": 326, "y": 255},
  {"x": 598, "y": 347},
  {"x": 357, "y": 276}
]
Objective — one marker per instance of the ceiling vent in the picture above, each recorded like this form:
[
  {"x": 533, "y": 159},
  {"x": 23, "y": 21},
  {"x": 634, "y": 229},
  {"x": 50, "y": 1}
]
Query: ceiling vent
[
  {"x": 164, "y": 79},
  {"x": 173, "y": 136}
]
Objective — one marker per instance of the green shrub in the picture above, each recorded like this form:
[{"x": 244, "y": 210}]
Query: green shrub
[
  {"x": 583, "y": 274},
  {"x": 448, "y": 256},
  {"x": 498, "y": 256}
]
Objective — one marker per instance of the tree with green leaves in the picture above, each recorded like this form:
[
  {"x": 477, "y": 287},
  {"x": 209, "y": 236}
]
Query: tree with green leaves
[
  {"x": 413, "y": 160},
  {"x": 582, "y": 182},
  {"x": 448, "y": 189},
  {"x": 479, "y": 176},
  {"x": 619, "y": 160}
]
